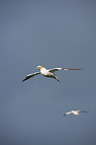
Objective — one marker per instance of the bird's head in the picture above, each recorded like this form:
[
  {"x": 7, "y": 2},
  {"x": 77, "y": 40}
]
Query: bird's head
[
  {"x": 72, "y": 111},
  {"x": 39, "y": 67}
]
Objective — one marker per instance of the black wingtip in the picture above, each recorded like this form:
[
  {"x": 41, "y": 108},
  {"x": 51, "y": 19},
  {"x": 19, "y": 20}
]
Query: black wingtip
[
  {"x": 79, "y": 69},
  {"x": 23, "y": 80},
  {"x": 85, "y": 111}
]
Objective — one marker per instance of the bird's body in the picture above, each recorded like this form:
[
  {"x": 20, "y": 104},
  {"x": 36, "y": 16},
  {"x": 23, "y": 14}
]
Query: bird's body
[
  {"x": 47, "y": 72},
  {"x": 74, "y": 112}
]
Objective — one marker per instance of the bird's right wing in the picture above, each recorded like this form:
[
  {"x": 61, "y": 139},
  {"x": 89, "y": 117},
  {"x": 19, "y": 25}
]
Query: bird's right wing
[{"x": 31, "y": 75}]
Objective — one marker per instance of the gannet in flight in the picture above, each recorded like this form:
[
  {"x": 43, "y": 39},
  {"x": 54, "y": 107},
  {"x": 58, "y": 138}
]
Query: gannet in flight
[
  {"x": 47, "y": 72},
  {"x": 74, "y": 112}
]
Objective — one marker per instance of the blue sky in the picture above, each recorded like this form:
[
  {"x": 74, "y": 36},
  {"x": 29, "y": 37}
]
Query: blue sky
[{"x": 54, "y": 33}]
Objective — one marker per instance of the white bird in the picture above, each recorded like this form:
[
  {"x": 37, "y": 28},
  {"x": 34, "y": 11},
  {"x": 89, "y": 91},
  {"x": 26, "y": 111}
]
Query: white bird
[
  {"x": 74, "y": 112},
  {"x": 47, "y": 72}
]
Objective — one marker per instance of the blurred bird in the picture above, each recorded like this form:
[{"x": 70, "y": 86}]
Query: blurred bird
[
  {"x": 75, "y": 112},
  {"x": 47, "y": 72}
]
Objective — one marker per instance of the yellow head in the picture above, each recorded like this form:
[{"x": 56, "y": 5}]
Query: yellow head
[{"x": 39, "y": 67}]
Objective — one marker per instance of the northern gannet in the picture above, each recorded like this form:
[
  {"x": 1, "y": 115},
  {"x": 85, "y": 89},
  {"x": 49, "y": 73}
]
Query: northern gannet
[
  {"x": 47, "y": 72},
  {"x": 74, "y": 112}
]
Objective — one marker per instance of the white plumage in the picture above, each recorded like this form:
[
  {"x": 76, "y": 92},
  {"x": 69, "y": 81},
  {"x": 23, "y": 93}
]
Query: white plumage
[{"x": 74, "y": 112}]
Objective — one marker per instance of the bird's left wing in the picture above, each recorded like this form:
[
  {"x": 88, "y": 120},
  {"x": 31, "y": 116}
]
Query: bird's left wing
[
  {"x": 30, "y": 75},
  {"x": 56, "y": 69},
  {"x": 67, "y": 113}
]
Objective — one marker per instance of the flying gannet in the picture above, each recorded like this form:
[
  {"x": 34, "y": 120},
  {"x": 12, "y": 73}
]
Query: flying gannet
[
  {"x": 74, "y": 112},
  {"x": 47, "y": 72}
]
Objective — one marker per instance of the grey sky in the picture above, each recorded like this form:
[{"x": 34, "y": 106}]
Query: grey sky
[{"x": 54, "y": 33}]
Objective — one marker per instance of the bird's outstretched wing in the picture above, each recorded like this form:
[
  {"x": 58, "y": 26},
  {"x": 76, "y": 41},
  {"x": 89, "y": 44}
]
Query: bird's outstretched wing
[
  {"x": 67, "y": 113},
  {"x": 56, "y": 69},
  {"x": 31, "y": 75}
]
